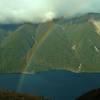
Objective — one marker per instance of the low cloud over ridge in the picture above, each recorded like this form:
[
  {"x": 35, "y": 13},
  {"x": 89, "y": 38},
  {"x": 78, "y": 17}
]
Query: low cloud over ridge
[{"x": 18, "y": 11}]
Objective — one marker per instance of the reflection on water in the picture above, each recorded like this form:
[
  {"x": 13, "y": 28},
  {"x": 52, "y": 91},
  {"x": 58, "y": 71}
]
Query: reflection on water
[{"x": 60, "y": 85}]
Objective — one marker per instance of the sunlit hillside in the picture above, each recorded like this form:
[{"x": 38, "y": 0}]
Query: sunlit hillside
[{"x": 70, "y": 44}]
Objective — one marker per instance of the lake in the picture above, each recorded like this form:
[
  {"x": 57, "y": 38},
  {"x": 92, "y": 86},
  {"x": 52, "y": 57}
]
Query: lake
[{"x": 59, "y": 85}]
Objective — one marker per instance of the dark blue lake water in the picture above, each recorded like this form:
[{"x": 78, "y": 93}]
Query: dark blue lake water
[{"x": 60, "y": 85}]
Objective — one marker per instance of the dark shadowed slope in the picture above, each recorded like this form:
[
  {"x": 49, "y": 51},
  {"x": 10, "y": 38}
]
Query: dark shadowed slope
[
  {"x": 91, "y": 95},
  {"x": 5, "y": 95}
]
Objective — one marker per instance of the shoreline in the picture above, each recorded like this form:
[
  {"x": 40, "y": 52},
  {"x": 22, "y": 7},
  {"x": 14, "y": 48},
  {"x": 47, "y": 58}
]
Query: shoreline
[{"x": 53, "y": 70}]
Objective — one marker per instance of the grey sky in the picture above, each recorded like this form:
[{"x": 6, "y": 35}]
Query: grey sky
[{"x": 43, "y": 10}]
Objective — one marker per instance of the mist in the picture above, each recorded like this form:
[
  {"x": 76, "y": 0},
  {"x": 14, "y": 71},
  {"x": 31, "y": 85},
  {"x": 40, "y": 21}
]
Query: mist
[{"x": 18, "y": 11}]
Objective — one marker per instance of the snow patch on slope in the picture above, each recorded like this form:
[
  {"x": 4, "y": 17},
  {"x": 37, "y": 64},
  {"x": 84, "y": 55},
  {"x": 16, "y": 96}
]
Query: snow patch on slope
[
  {"x": 96, "y": 49},
  {"x": 73, "y": 47}
]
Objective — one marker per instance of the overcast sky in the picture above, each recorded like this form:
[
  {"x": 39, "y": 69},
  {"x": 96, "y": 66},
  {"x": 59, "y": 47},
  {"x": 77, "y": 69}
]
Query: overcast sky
[{"x": 12, "y": 11}]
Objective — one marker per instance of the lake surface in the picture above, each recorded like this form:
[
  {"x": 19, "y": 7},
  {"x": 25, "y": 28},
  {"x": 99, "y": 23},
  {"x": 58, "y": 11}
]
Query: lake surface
[{"x": 60, "y": 85}]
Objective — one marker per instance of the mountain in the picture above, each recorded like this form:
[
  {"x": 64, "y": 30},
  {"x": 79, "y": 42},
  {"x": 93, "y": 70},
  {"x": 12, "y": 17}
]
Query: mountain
[{"x": 71, "y": 44}]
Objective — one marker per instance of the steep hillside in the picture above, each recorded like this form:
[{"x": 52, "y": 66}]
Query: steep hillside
[
  {"x": 15, "y": 47},
  {"x": 72, "y": 47},
  {"x": 53, "y": 52},
  {"x": 70, "y": 44}
]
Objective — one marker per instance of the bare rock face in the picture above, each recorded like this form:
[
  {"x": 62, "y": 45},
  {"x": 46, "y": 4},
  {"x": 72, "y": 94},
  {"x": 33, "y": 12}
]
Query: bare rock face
[{"x": 91, "y": 95}]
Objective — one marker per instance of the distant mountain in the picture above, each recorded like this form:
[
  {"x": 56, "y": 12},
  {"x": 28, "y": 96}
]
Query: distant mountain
[{"x": 70, "y": 44}]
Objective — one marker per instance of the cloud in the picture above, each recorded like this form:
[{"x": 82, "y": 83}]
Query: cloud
[{"x": 18, "y": 11}]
